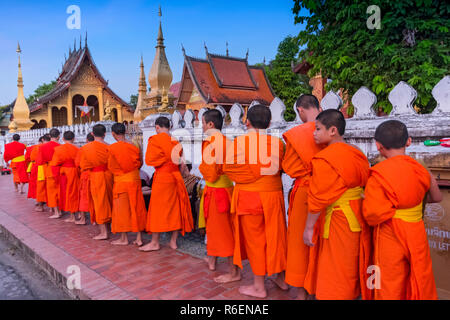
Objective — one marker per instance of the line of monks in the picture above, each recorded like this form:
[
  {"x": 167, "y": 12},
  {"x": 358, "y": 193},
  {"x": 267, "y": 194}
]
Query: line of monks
[{"x": 352, "y": 230}]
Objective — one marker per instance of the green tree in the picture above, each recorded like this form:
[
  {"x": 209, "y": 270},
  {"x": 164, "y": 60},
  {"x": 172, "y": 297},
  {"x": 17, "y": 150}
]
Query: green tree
[
  {"x": 412, "y": 45},
  {"x": 287, "y": 85},
  {"x": 133, "y": 101},
  {"x": 40, "y": 91}
]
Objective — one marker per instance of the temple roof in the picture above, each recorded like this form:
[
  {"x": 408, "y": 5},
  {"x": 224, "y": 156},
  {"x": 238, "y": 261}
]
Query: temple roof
[
  {"x": 69, "y": 73},
  {"x": 227, "y": 80}
]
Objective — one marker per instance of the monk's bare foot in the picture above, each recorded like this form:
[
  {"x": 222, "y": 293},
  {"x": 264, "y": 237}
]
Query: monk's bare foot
[
  {"x": 101, "y": 237},
  {"x": 227, "y": 278},
  {"x": 71, "y": 219},
  {"x": 55, "y": 216},
  {"x": 39, "y": 209},
  {"x": 173, "y": 245},
  {"x": 150, "y": 247},
  {"x": 81, "y": 222},
  {"x": 120, "y": 242},
  {"x": 138, "y": 243},
  {"x": 253, "y": 292},
  {"x": 211, "y": 261},
  {"x": 280, "y": 283},
  {"x": 302, "y": 294}
]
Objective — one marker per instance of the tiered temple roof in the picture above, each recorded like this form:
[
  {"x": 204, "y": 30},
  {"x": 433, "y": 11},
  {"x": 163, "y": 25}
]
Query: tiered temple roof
[
  {"x": 69, "y": 72},
  {"x": 224, "y": 80}
]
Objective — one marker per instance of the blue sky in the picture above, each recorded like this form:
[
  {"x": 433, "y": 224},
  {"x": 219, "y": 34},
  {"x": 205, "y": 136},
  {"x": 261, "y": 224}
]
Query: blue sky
[{"x": 119, "y": 31}]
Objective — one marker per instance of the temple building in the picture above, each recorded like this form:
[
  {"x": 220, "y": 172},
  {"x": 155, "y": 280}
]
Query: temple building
[
  {"x": 222, "y": 80},
  {"x": 80, "y": 95}
]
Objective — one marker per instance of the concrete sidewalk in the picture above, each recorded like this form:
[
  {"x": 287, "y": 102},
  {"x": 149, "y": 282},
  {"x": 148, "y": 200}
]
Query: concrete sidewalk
[{"x": 111, "y": 272}]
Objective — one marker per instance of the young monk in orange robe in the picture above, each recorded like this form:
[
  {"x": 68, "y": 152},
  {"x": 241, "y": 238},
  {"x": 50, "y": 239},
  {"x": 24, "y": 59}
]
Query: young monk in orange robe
[
  {"x": 64, "y": 158},
  {"x": 84, "y": 193},
  {"x": 393, "y": 204},
  {"x": 15, "y": 152},
  {"x": 31, "y": 157},
  {"x": 216, "y": 199},
  {"x": 254, "y": 163},
  {"x": 339, "y": 174},
  {"x": 300, "y": 149},
  {"x": 94, "y": 157},
  {"x": 45, "y": 155},
  {"x": 41, "y": 187},
  {"x": 169, "y": 209},
  {"x": 128, "y": 210},
  {"x": 31, "y": 182}
]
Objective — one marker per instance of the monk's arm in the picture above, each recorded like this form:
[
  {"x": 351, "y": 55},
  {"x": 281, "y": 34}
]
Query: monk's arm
[
  {"x": 154, "y": 156},
  {"x": 309, "y": 228},
  {"x": 434, "y": 194},
  {"x": 292, "y": 164},
  {"x": 377, "y": 207}
]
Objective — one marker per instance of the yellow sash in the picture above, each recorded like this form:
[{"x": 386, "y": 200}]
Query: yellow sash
[
  {"x": 222, "y": 182},
  {"x": 41, "y": 173},
  {"x": 128, "y": 177},
  {"x": 410, "y": 214},
  {"x": 343, "y": 204},
  {"x": 18, "y": 159},
  {"x": 30, "y": 165}
]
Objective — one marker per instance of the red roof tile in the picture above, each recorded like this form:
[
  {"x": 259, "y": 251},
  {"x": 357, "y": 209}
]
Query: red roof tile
[{"x": 240, "y": 83}]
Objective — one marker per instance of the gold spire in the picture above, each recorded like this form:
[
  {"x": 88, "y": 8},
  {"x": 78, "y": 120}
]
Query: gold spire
[
  {"x": 21, "y": 112},
  {"x": 160, "y": 75},
  {"x": 138, "y": 116}
]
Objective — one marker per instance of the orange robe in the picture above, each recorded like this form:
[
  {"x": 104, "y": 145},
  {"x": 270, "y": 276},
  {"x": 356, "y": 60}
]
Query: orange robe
[
  {"x": 94, "y": 157},
  {"x": 339, "y": 263},
  {"x": 45, "y": 155},
  {"x": 169, "y": 207},
  {"x": 30, "y": 158},
  {"x": 300, "y": 149},
  {"x": 217, "y": 198},
  {"x": 41, "y": 188},
  {"x": 83, "y": 187},
  {"x": 15, "y": 152},
  {"x": 64, "y": 158},
  {"x": 401, "y": 248},
  {"x": 253, "y": 163},
  {"x": 128, "y": 211}
]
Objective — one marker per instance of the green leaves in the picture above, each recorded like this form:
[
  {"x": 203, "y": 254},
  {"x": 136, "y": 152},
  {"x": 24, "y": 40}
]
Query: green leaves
[
  {"x": 287, "y": 85},
  {"x": 40, "y": 91},
  {"x": 350, "y": 54}
]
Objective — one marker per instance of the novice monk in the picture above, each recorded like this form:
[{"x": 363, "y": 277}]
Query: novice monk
[
  {"x": 84, "y": 193},
  {"x": 339, "y": 174},
  {"x": 41, "y": 187},
  {"x": 31, "y": 157},
  {"x": 393, "y": 204},
  {"x": 51, "y": 174},
  {"x": 128, "y": 210},
  {"x": 215, "y": 203},
  {"x": 94, "y": 157},
  {"x": 169, "y": 209},
  {"x": 15, "y": 152},
  {"x": 253, "y": 163},
  {"x": 300, "y": 149},
  {"x": 64, "y": 159}
]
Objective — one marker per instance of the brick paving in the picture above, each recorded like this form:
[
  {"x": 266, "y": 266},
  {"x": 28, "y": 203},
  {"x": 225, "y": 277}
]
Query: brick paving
[{"x": 112, "y": 272}]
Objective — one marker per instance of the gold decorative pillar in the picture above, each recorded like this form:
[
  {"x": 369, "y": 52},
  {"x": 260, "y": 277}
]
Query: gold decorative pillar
[
  {"x": 69, "y": 108},
  {"x": 101, "y": 110},
  {"x": 49, "y": 117},
  {"x": 119, "y": 113}
]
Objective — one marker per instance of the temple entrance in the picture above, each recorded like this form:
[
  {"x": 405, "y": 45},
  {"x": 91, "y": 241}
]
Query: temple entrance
[
  {"x": 78, "y": 100},
  {"x": 114, "y": 115},
  {"x": 93, "y": 102},
  {"x": 59, "y": 116}
]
